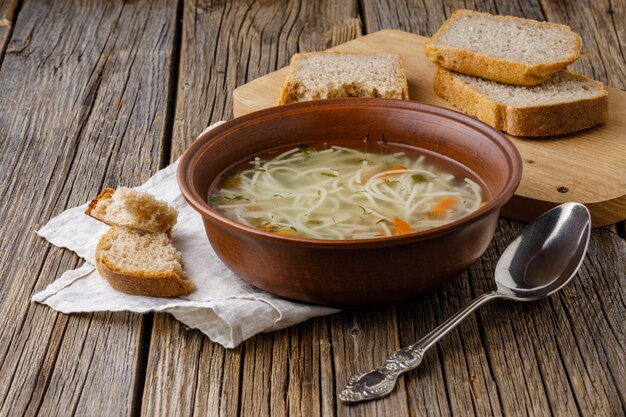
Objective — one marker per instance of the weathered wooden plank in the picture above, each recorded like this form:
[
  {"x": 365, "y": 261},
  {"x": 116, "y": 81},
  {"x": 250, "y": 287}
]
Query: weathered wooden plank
[
  {"x": 565, "y": 343},
  {"x": 361, "y": 340},
  {"x": 311, "y": 371},
  {"x": 462, "y": 369},
  {"x": 226, "y": 45},
  {"x": 108, "y": 75},
  {"x": 513, "y": 342},
  {"x": 8, "y": 13},
  {"x": 8, "y": 10},
  {"x": 601, "y": 26},
  {"x": 593, "y": 309},
  {"x": 535, "y": 371},
  {"x": 466, "y": 375},
  {"x": 425, "y": 17},
  {"x": 453, "y": 379},
  {"x": 463, "y": 365},
  {"x": 84, "y": 88},
  {"x": 289, "y": 372}
]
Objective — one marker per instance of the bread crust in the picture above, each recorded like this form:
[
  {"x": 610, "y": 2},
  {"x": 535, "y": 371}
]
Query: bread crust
[
  {"x": 492, "y": 68},
  {"x": 532, "y": 121},
  {"x": 405, "y": 81},
  {"x": 163, "y": 284},
  {"x": 467, "y": 99},
  {"x": 557, "y": 119},
  {"x": 286, "y": 97},
  {"x": 105, "y": 194}
]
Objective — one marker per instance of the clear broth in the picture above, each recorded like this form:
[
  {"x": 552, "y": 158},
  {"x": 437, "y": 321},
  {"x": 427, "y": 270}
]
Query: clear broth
[{"x": 338, "y": 192}]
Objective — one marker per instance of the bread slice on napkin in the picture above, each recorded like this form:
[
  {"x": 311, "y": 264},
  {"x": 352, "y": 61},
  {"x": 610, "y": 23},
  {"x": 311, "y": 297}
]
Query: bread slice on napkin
[
  {"x": 136, "y": 255},
  {"x": 565, "y": 103},
  {"x": 322, "y": 75},
  {"x": 507, "y": 49},
  {"x": 134, "y": 209},
  {"x": 140, "y": 263}
]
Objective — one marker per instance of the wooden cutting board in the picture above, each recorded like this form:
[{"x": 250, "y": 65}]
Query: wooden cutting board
[{"x": 588, "y": 167}]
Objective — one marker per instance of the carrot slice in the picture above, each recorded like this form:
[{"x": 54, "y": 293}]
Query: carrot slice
[
  {"x": 390, "y": 171},
  {"x": 400, "y": 226},
  {"x": 439, "y": 210}
]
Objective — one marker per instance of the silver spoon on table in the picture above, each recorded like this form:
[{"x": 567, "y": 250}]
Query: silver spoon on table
[{"x": 539, "y": 262}]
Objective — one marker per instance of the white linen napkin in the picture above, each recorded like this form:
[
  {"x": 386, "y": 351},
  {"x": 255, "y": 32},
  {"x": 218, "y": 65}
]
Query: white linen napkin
[{"x": 224, "y": 307}]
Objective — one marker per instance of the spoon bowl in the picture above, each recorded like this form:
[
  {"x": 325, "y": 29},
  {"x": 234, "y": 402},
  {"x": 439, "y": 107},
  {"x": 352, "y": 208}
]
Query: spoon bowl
[
  {"x": 540, "y": 261},
  {"x": 546, "y": 256}
]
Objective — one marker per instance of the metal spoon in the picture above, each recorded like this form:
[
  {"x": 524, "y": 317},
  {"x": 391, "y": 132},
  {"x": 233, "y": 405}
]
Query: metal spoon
[{"x": 539, "y": 262}]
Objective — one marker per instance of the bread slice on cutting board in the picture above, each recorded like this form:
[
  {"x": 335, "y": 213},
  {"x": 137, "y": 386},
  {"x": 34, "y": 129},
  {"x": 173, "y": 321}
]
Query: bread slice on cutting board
[
  {"x": 322, "y": 75},
  {"x": 507, "y": 49},
  {"x": 565, "y": 103},
  {"x": 136, "y": 255}
]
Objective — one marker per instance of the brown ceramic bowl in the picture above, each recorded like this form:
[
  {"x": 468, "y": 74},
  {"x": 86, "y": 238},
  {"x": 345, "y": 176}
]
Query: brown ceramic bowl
[{"x": 352, "y": 272}]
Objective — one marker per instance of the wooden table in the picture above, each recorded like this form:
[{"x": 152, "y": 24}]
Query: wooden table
[{"x": 97, "y": 94}]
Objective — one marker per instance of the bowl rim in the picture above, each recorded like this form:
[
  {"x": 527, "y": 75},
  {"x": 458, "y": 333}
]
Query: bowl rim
[{"x": 195, "y": 200}]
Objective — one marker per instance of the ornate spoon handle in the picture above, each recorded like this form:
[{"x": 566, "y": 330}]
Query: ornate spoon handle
[{"x": 379, "y": 382}]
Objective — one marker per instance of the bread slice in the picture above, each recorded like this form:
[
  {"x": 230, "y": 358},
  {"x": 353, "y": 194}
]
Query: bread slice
[
  {"x": 141, "y": 263},
  {"x": 322, "y": 75},
  {"x": 132, "y": 208},
  {"x": 565, "y": 103},
  {"x": 136, "y": 255},
  {"x": 507, "y": 49}
]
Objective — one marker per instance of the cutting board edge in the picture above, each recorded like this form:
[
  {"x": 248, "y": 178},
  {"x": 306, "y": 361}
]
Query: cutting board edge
[{"x": 603, "y": 213}]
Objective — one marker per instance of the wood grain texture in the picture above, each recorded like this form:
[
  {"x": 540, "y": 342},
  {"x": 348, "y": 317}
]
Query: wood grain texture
[
  {"x": 601, "y": 26},
  {"x": 424, "y": 18},
  {"x": 299, "y": 371},
  {"x": 84, "y": 90},
  {"x": 8, "y": 13},
  {"x": 224, "y": 45},
  {"x": 228, "y": 44},
  {"x": 533, "y": 351},
  {"x": 87, "y": 100}
]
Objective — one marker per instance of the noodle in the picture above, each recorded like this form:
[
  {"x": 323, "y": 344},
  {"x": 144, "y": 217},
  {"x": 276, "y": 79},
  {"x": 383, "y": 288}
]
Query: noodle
[{"x": 343, "y": 193}]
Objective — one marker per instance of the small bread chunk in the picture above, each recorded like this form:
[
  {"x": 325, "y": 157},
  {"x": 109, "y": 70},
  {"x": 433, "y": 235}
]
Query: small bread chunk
[
  {"x": 140, "y": 263},
  {"x": 322, "y": 75},
  {"x": 132, "y": 208},
  {"x": 507, "y": 49},
  {"x": 565, "y": 103}
]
